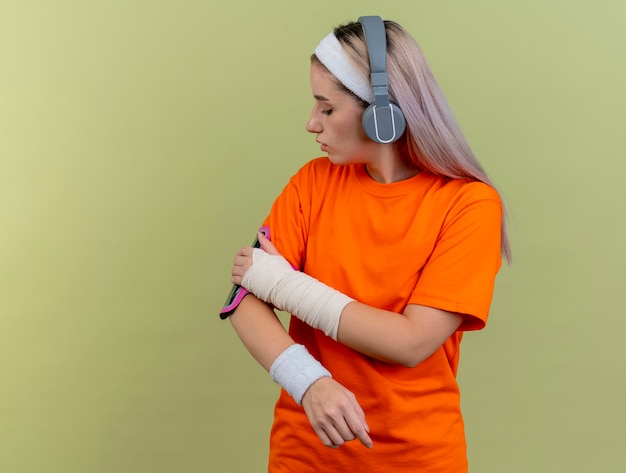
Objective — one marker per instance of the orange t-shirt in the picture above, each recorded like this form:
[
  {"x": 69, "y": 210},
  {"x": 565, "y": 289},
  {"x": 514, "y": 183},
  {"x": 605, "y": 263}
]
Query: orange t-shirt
[{"x": 426, "y": 240}]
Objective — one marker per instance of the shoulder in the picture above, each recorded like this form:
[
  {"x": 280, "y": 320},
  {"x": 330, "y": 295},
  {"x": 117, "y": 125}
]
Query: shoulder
[
  {"x": 321, "y": 165},
  {"x": 454, "y": 201},
  {"x": 461, "y": 192},
  {"x": 473, "y": 192},
  {"x": 320, "y": 173},
  {"x": 475, "y": 203}
]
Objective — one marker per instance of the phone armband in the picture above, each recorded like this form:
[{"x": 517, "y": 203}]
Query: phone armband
[{"x": 237, "y": 293}]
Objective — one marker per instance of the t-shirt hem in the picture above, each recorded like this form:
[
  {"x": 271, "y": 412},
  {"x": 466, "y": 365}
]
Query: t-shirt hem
[{"x": 475, "y": 318}]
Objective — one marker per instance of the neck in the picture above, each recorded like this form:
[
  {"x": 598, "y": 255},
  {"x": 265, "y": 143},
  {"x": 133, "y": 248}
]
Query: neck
[{"x": 390, "y": 168}]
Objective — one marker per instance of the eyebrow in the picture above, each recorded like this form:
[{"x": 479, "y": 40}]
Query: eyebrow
[{"x": 321, "y": 98}]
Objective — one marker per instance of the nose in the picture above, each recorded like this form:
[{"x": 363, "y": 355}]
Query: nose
[{"x": 313, "y": 125}]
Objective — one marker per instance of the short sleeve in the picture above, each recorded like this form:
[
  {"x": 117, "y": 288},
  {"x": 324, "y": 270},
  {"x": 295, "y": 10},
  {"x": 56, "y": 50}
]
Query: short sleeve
[
  {"x": 460, "y": 273},
  {"x": 288, "y": 219}
]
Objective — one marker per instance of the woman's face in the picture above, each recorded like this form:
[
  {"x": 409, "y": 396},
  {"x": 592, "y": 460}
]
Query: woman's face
[{"x": 336, "y": 120}]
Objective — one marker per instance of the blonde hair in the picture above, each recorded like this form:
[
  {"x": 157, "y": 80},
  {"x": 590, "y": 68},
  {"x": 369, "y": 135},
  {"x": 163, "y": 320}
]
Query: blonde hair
[{"x": 433, "y": 140}]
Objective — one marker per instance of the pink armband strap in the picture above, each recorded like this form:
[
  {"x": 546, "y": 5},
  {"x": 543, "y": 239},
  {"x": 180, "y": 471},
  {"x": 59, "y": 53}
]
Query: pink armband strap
[{"x": 237, "y": 293}]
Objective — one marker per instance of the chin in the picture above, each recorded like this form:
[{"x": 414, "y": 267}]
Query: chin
[{"x": 339, "y": 160}]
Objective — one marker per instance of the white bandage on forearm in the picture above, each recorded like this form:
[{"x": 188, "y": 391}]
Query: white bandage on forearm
[
  {"x": 295, "y": 370},
  {"x": 272, "y": 279}
]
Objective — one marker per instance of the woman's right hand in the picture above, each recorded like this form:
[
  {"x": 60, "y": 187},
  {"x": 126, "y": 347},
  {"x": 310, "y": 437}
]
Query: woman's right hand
[{"x": 335, "y": 414}]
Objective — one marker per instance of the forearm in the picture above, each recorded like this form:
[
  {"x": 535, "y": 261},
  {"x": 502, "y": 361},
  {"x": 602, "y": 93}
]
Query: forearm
[
  {"x": 259, "y": 329},
  {"x": 374, "y": 332},
  {"x": 406, "y": 339},
  {"x": 289, "y": 364}
]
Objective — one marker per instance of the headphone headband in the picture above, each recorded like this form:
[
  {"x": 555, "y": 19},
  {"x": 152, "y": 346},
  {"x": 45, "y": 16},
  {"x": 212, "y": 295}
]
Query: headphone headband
[{"x": 376, "y": 41}]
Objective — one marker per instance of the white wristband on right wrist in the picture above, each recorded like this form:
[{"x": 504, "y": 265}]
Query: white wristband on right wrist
[
  {"x": 272, "y": 279},
  {"x": 295, "y": 370}
]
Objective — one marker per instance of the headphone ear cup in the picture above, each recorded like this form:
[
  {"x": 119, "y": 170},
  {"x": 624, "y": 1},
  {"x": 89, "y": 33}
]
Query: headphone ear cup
[
  {"x": 381, "y": 127},
  {"x": 368, "y": 122}
]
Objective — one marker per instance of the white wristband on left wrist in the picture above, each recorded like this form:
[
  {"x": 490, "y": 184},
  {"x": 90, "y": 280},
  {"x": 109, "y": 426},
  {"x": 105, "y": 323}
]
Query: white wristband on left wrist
[{"x": 295, "y": 370}]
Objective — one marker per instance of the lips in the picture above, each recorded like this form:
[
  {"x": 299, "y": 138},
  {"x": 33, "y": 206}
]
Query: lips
[{"x": 323, "y": 147}]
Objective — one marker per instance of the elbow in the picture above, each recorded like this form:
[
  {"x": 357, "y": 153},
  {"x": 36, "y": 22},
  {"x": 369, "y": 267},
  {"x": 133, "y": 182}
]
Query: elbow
[
  {"x": 413, "y": 355},
  {"x": 411, "y": 362},
  {"x": 411, "y": 359}
]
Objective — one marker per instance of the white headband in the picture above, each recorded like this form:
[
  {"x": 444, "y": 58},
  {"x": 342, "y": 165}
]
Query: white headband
[{"x": 331, "y": 54}]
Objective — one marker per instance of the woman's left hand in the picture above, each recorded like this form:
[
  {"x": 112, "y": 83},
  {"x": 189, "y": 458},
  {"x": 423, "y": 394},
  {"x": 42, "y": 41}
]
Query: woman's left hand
[{"x": 243, "y": 258}]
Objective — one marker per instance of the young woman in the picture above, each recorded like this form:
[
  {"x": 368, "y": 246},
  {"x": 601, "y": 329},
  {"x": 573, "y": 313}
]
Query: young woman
[{"x": 385, "y": 253}]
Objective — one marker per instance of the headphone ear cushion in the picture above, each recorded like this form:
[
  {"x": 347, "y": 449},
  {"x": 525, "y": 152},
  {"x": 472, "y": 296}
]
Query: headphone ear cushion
[
  {"x": 381, "y": 128},
  {"x": 369, "y": 125}
]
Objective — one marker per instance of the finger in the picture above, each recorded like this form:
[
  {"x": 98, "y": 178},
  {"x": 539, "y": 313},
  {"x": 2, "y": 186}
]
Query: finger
[
  {"x": 323, "y": 432},
  {"x": 339, "y": 430},
  {"x": 238, "y": 270},
  {"x": 244, "y": 251},
  {"x": 326, "y": 440},
  {"x": 351, "y": 427},
  {"x": 236, "y": 276},
  {"x": 344, "y": 430},
  {"x": 360, "y": 430},
  {"x": 355, "y": 419},
  {"x": 267, "y": 245},
  {"x": 336, "y": 438},
  {"x": 331, "y": 432},
  {"x": 241, "y": 260}
]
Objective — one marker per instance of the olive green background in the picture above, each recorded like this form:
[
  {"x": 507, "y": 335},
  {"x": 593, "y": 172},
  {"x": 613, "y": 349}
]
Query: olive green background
[{"x": 141, "y": 144}]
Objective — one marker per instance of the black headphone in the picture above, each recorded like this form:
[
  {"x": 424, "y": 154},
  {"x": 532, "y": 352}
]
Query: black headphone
[{"x": 383, "y": 121}]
